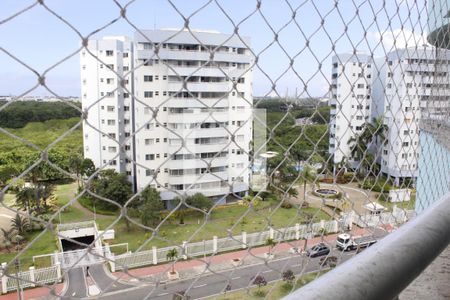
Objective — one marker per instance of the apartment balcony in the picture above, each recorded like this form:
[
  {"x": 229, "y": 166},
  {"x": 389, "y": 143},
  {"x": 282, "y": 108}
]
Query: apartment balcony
[
  {"x": 197, "y": 102},
  {"x": 201, "y": 86},
  {"x": 198, "y": 178},
  {"x": 198, "y": 117},
  {"x": 197, "y": 163},
  {"x": 199, "y": 133},
  {"x": 205, "y": 71},
  {"x": 194, "y": 55},
  {"x": 198, "y": 148}
]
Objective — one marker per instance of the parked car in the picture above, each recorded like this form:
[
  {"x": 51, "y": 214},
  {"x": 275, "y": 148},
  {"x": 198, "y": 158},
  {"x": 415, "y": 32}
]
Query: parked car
[{"x": 318, "y": 250}]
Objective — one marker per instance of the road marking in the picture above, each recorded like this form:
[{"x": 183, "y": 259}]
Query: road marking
[
  {"x": 297, "y": 265},
  {"x": 268, "y": 271},
  {"x": 73, "y": 294},
  {"x": 163, "y": 294},
  {"x": 234, "y": 278},
  {"x": 201, "y": 285}
]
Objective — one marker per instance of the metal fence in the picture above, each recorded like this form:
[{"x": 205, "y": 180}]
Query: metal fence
[{"x": 298, "y": 111}]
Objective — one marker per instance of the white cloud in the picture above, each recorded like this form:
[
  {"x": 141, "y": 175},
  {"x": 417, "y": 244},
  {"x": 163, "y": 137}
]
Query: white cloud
[{"x": 399, "y": 38}]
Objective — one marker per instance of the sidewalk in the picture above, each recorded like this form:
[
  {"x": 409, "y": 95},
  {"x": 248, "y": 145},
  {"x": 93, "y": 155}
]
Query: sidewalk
[
  {"x": 218, "y": 262},
  {"x": 195, "y": 266}
]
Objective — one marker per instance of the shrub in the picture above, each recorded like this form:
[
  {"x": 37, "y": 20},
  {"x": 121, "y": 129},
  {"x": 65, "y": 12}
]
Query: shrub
[
  {"x": 286, "y": 205},
  {"x": 259, "y": 293}
]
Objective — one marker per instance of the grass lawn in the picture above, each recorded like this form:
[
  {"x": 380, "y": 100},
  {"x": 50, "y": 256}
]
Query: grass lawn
[
  {"x": 196, "y": 227},
  {"x": 222, "y": 218},
  {"x": 273, "y": 290},
  {"x": 408, "y": 205}
]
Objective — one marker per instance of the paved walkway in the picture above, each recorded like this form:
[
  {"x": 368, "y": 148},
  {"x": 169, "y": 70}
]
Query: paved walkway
[{"x": 219, "y": 262}]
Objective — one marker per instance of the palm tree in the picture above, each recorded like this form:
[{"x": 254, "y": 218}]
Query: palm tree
[
  {"x": 380, "y": 130},
  {"x": 21, "y": 224},
  {"x": 8, "y": 237},
  {"x": 323, "y": 232},
  {"x": 308, "y": 218},
  {"x": 44, "y": 192},
  {"x": 25, "y": 198},
  {"x": 308, "y": 175},
  {"x": 271, "y": 243},
  {"x": 172, "y": 255}
]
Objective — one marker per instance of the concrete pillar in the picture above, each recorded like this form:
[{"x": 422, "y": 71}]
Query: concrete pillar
[
  {"x": 112, "y": 263},
  {"x": 335, "y": 226},
  {"x": 297, "y": 231},
  {"x": 4, "y": 279},
  {"x": 271, "y": 232},
  {"x": 31, "y": 269},
  {"x": 58, "y": 271},
  {"x": 155, "y": 255},
  {"x": 56, "y": 256},
  {"x": 244, "y": 239},
  {"x": 184, "y": 246},
  {"x": 214, "y": 244}
]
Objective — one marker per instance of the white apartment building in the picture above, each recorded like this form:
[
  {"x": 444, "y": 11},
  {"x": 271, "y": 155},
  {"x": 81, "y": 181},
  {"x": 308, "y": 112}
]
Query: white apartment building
[
  {"x": 108, "y": 124},
  {"x": 397, "y": 88},
  {"x": 350, "y": 103},
  {"x": 409, "y": 81},
  {"x": 183, "y": 113}
]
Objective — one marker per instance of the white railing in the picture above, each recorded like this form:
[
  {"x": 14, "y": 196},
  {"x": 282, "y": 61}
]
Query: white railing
[
  {"x": 216, "y": 245},
  {"x": 10, "y": 281},
  {"x": 244, "y": 240}
]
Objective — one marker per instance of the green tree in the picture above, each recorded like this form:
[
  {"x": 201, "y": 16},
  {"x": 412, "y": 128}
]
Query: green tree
[
  {"x": 172, "y": 255},
  {"x": 323, "y": 232},
  {"x": 8, "y": 238},
  {"x": 150, "y": 206},
  {"x": 260, "y": 281},
  {"x": 307, "y": 175},
  {"x": 288, "y": 276},
  {"x": 75, "y": 166},
  {"x": 87, "y": 167},
  {"x": 200, "y": 201},
  {"x": 271, "y": 243},
  {"x": 113, "y": 186},
  {"x": 20, "y": 224},
  {"x": 25, "y": 197}
]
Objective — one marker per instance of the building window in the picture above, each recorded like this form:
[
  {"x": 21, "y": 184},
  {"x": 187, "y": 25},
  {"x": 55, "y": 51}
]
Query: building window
[
  {"x": 125, "y": 54},
  {"x": 110, "y": 108},
  {"x": 127, "y": 147},
  {"x": 148, "y": 94},
  {"x": 126, "y": 108},
  {"x": 111, "y": 122},
  {"x": 109, "y": 53},
  {"x": 148, "y": 78},
  {"x": 149, "y": 156},
  {"x": 149, "y": 141},
  {"x": 150, "y": 172}
]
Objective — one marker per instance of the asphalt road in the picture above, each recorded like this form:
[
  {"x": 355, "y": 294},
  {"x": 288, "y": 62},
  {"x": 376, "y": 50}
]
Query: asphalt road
[
  {"x": 214, "y": 283},
  {"x": 76, "y": 284}
]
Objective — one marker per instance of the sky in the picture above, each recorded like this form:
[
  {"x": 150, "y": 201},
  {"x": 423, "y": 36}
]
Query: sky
[{"x": 320, "y": 28}]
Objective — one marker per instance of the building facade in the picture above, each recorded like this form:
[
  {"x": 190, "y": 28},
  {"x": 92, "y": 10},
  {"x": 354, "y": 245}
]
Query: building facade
[
  {"x": 395, "y": 90},
  {"x": 404, "y": 89},
  {"x": 183, "y": 113},
  {"x": 350, "y": 103},
  {"x": 433, "y": 181}
]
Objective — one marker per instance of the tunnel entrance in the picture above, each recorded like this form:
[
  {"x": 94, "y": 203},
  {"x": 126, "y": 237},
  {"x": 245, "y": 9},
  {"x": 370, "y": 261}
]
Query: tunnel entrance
[{"x": 70, "y": 246}]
